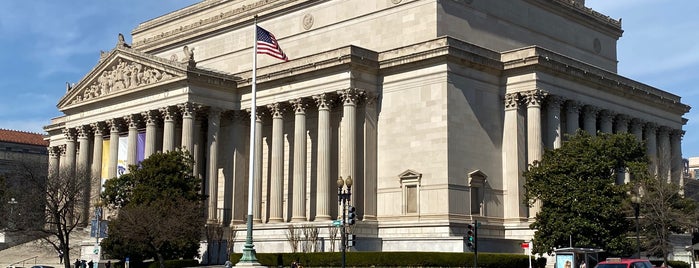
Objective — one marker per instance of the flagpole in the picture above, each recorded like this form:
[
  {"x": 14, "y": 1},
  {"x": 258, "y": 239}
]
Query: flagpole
[{"x": 249, "y": 257}]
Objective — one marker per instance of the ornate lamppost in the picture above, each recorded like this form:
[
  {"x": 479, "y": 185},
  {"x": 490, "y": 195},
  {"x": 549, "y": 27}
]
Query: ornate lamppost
[
  {"x": 12, "y": 203},
  {"x": 343, "y": 198}
]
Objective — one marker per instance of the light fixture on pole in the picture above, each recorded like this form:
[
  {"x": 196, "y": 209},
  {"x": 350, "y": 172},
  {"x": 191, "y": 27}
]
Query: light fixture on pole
[
  {"x": 343, "y": 198},
  {"x": 12, "y": 203},
  {"x": 636, "y": 202}
]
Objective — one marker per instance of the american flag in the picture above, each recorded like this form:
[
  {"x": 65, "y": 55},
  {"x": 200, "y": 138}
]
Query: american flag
[{"x": 267, "y": 44}]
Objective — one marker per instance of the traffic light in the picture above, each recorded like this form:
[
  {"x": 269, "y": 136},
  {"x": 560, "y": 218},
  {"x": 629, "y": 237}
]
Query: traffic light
[
  {"x": 351, "y": 215},
  {"x": 351, "y": 240},
  {"x": 471, "y": 236}
]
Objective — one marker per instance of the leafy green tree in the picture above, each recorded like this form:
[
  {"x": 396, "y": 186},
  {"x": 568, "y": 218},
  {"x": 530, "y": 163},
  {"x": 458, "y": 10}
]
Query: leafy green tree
[
  {"x": 160, "y": 209},
  {"x": 580, "y": 201}
]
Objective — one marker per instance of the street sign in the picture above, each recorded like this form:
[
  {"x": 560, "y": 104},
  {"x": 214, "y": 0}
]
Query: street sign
[
  {"x": 102, "y": 229},
  {"x": 525, "y": 245},
  {"x": 337, "y": 223}
]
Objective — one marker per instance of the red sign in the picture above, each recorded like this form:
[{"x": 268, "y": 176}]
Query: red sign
[{"x": 525, "y": 245}]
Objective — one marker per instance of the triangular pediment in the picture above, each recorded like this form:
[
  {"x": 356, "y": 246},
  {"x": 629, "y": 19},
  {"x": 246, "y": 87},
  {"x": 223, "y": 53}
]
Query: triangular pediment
[{"x": 120, "y": 71}]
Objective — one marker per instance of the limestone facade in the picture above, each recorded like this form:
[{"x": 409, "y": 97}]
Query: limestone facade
[{"x": 434, "y": 108}]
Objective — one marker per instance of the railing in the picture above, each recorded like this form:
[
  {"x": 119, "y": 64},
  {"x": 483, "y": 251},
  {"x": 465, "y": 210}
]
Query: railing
[{"x": 23, "y": 262}]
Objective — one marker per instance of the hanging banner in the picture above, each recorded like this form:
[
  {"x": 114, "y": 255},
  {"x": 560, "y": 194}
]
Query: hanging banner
[
  {"x": 122, "y": 164},
  {"x": 140, "y": 147}
]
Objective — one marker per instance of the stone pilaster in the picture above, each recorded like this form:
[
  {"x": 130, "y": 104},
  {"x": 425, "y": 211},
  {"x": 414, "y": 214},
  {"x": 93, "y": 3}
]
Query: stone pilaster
[
  {"x": 299, "y": 193},
  {"x": 324, "y": 103}
]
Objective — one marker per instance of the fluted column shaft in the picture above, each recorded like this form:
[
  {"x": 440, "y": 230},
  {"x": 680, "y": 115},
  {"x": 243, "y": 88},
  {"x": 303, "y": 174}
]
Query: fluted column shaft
[
  {"x": 676, "y": 159},
  {"x": 535, "y": 146},
  {"x": 554, "y": 121},
  {"x": 187, "y": 110},
  {"x": 324, "y": 103},
  {"x": 651, "y": 147},
  {"x": 168, "y": 129},
  {"x": 114, "y": 127},
  {"x": 151, "y": 118},
  {"x": 70, "y": 152},
  {"x": 349, "y": 129},
  {"x": 664, "y": 154},
  {"x": 590, "y": 119},
  {"x": 132, "y": 144},
  {"x": 212, "y": 164},
  {"x": 54, "y": 154},
  {"x": 299, "y": 193},
  {"x": 99, "y": 130},
  {"x": 83, "y": 163},
  {"x": 276, "y": 199},
  {"x": 606, "y": 121},
  {"x": 257, "y": 173},
  {"x": 513, "y": 160},
  {"x": 637, "y": 128},
  {"x": 622, "y": 124},
  {"x": 572, "y": 117}
]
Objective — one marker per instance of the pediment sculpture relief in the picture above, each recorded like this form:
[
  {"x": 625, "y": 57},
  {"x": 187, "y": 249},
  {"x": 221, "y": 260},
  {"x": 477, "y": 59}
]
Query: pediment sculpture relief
[{"x": 122, "y": 75}]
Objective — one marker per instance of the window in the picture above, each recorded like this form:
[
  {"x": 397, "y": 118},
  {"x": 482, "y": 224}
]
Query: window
[
  {"x": 410, "y": 183},
  {"x": 476, "y": 183}
]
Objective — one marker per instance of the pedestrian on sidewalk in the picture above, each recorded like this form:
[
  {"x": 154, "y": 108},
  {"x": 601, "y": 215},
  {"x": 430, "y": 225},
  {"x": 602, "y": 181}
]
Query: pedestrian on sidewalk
[
  {"x": 60, "y": 256},
  {"x": 90, "y": 264},
  {"x": 77, "y": 263}
]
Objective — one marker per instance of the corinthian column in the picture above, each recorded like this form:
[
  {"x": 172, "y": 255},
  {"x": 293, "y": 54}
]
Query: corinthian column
[
  {"x": 590, "y": 119},
  {"x": 513, "y": 160},
  {"x": 535, "y": 147},
  {"x": 133, "y": 121},
  {"x": 70, "y": 134},
  {"x": 99, "y": 129},
  {"x": 83, "y": 163},
  {"x": 664, "y": 154},
  {"x": 637, "y": 128},
  {"x": 276, "y": 199},
  {"x": 676, "y": 158},
  {"x": 188, "y": 110},
  {"x": 349, "y": 99},
  {"x": 652, "y": 147},
  {"x": 606, "y": 122},
  {"x": 168, "y": 114},
  {"x": 324, "y": 103},
  {"x": 257, "y": 173},
  {"x": 622, "y": 124},
  {"x": 299, "y": 193},
  {"x": 114, "y": 127},
  {"x": 212, "y": 164},
  {"x": 554, "y": 121},
  {"x": 151, "y": 118},
  {"x": 54, "y": 154},
  {"x": 572, "y": 117}
]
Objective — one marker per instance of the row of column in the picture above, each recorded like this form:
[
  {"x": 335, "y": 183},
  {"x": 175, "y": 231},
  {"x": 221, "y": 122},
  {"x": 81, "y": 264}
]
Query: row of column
[
  {"x": 663, "y": 144},
  {"x": 161, "y": 134}
]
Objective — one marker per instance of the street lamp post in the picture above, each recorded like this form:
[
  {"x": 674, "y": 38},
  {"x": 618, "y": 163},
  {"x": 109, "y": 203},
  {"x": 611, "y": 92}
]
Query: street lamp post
[
  {"x": 343, "y": 198},
  {"x": 12, "y": 203},
  {"x": 637, "y": 211}
]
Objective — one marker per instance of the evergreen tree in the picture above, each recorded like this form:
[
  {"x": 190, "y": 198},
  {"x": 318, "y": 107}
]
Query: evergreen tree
[{"x": 580, "y": 201}]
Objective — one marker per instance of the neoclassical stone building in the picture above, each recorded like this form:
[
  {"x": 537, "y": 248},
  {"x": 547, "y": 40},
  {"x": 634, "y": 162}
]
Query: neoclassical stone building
[{"x": 433, "y": 107}]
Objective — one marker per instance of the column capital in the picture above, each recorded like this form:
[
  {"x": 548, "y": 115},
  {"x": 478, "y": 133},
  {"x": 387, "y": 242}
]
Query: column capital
[
  {"x": 534, "y": 97},
  {"x": 299, "y": 105},
  {"x": 350, "y": 96},
  {"x": 590, "y": 110},
  {"x": 650, "y": 126},
  {"x": 325, "y": 101},
  {"x": 133, "y": 120},
  {"x": 188, "y": 109},
  {"x": 277, "y": 109},
  {"x": 607, "y": 114},
  {"x": 677, "y": 133},
  {"x": 54, "y": 151},
  {"x": 115, "y": 124},
  {"x": 100, "y": 128},
  {"x": 70, "y": 133},
  {"x": 622, "y": 119},
  {"x": 169, "y": 113},
  {"x": 554, "y": 101},
  {"x": 511, "y": 101},
  {"x": 574, "y": 106},
  {"x": 83, "y": 131},
  {"x": 151, "y": 117},
  {"x": 664, "y": 130}
]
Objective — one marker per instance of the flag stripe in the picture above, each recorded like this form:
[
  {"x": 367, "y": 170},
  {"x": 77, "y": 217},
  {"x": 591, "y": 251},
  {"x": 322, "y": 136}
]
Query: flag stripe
[{"x": 267, "y": 44}]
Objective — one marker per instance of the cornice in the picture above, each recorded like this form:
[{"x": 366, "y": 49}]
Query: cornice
[
  {"x": 589, "y": 16},
  {"x": 213, "y": 22},
  {"x": 536, "y": 58}
]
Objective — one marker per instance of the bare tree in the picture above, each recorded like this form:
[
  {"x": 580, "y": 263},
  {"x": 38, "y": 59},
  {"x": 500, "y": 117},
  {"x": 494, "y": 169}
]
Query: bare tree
[
  {"x": 293, "y": 236},
  {"x": 53, "y": 204},
  {"x": 310, "y": 233},
  {"x": 332, "y": 233},
  {"x": 230, "y": 239},
  {"x": 214, "y": 239}
]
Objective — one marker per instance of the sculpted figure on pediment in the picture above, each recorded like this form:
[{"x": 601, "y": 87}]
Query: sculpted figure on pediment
[{"x": 123, "y": 75}]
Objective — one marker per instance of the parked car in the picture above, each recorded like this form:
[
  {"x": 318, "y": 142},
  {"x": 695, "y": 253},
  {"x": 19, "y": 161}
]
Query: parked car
[{"x": 624, "y": 263}]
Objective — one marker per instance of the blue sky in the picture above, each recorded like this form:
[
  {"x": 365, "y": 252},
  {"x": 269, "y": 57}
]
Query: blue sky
[{"x": 45, "y": 43}]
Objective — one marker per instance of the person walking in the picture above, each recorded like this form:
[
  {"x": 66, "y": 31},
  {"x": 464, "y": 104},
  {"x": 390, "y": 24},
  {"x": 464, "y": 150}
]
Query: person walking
[
  {"x": 90, "y": 264},
  {"x": 108, "y": 264},
  {"x": 77, "y": 263}
]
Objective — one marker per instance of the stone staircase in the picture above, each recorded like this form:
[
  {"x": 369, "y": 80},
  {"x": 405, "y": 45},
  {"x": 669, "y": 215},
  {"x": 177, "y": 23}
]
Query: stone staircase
[{"x": 37, "y": 252}]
